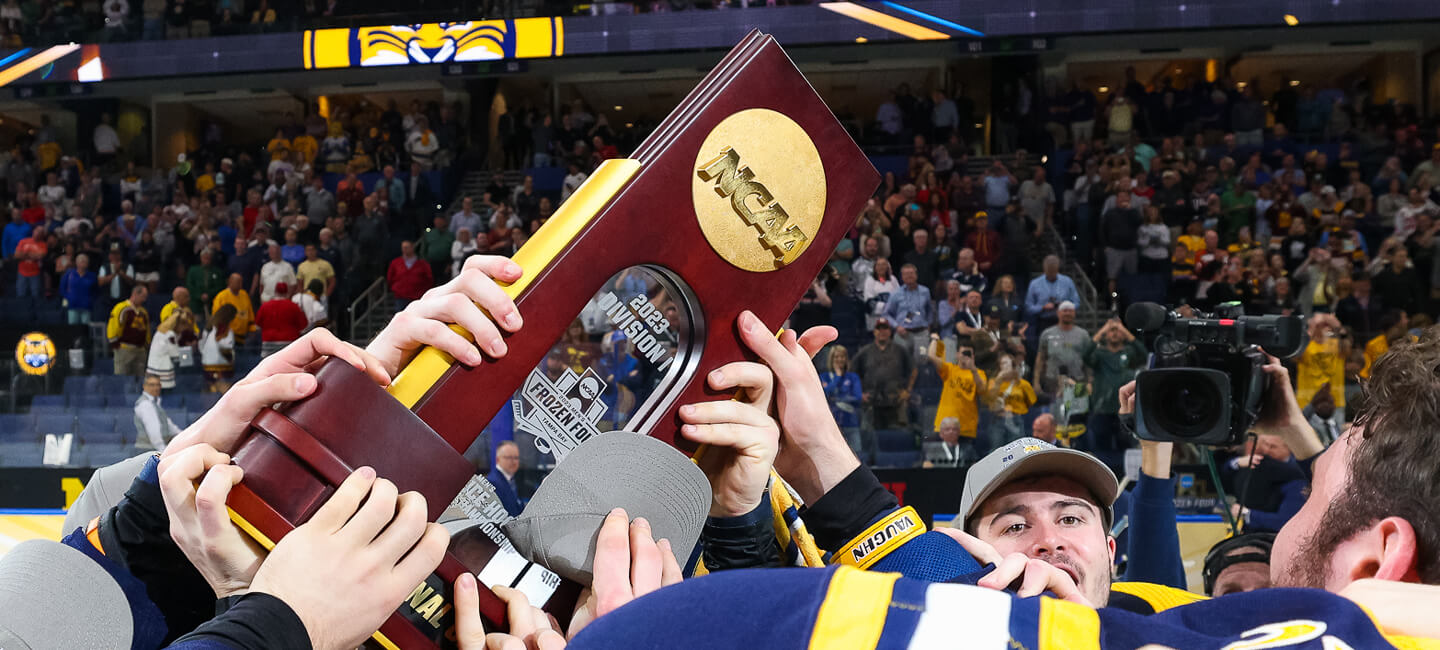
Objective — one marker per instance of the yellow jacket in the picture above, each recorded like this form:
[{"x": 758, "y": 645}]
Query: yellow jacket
[{"x": 244, "y": 310}]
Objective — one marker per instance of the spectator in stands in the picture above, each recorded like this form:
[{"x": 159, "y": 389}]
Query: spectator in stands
[
  {"x": 204, "y": 281},
  {"x": 116, "y": 278},
  {"x": 1323, "y": 359},
  {"x": 77, "y": 289},
  {"x": 1046, "y": 292},
  {"x": 1394, "y": 325},
  {"x": 316, "y": 269},
  {"x": 179, "y": 302},
  {"x": 319, "y": 202},
  {"x": 153, "y": 425},
  {"x": 242, "y": 321},
  {"x": 217, "y": 346},
  {"x": 30, "y": 253},
  {"x": 463, "y": 247},
  {"x": 467, "y": 218},
  {"x": 1119, "y": 234},
  {"x": 967, "y": 272},
  {"x": 985, "y": 242},
  {"x": 1113, "y": 357},
  {"x": 274, "y": 272},
  {"x": 502, "y": 475},
  {"x": 1395, "y": 282},
  {"x": 876, "y": 291},
  {"x": 1269, "y": 484},
  {"x": 422, "y": 144},
  {"x": 574, "y": 178},
  {"x": 1043, "y": 428},
  {"x": 1037, "y": 198},
  {"x": 997, "y": 181},
  {"x": 887, "y": 375},
  {"x": 165, "y": 349},
  {"x": 129, "y": 333},
  {"x": 1011, "y": 397},
  {"x": 435, "y": 248},
  {"x": 313, "y": 304},
  {"x": 279, "y": 150},
  {"x": 963, "y": 388},
  {"x": 925, "y": 260},
  {"x": 1060, "y": 354},
  {"x": 1322, "y": 416},
  {"x": 293, "y": 252},
  {"x": 909, "y": 308},
  {"x": 843, "y": 391},
  {"x": 16, "y": 230},
  {"x": 280, "y": 320},
  {"x": 408, "y": 276}
]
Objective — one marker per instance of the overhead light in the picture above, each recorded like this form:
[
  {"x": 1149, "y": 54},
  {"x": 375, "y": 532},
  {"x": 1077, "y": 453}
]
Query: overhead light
[
  {"x": 619, "y": 107},
  {"x": 1291, "y": 20},
  {"x": 1294, "y": 83},
  {"x": 861, "y": 39},
  {"x": 1104, "y": 89},
  {"x": 1044, "y": 159},
  {"x": 979, "y": 125},
  {"x": 1240, "y": 84}
]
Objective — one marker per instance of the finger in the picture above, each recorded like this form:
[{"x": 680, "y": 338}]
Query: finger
[
  {"x": 754, "y": 378},
  {"x": 549, "y": 640},
  {"x": 1009, "y": 568},
  {"x": 982, "y": 552},
  {"x": 501, "y": 268},
  {"x": 244, "y": 401},
  {"x": 405, "y": 528},
  {"x": 760, "y": 341},
  {"x": 461, "y": 310},
  {"x": 469, "y": 627},
  {"x": 726, "y": 412},
  {"x": 343, "y": 503},
  {"x": 500, "y": 641},
  {"x": 612, "y": 563},
  {"x": 430, "y": 331},
  {"x": 1038, "y": 576},
  {"x": 645, "y": 559},
  {"x": 374, "y": 514},
  {"x": 316, "y": 343},
  {"x": 517, "y": 611},
  {"x": 742, "y": 438},
  {"x": 670, "y": 568},
  {"x": 177, "y": 480},
  {"x": 211, "y": 497},
  {"x": 373, "y": 366},
  {"x": 816, "y": 338},
  {"x": 424, "y": 557},
  {"x": 477, "y": 285}
]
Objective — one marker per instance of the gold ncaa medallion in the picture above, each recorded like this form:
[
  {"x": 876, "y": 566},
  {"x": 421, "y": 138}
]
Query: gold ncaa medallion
[{"x": 759, "y": 189}]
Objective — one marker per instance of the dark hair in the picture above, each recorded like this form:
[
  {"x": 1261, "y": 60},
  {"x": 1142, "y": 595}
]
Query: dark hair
[
  {"x": 1394, "y": 466},
  {"x": 223, "y": 316}
]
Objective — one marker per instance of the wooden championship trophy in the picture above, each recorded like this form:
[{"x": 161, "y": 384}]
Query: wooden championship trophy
[{"x": 737, "y": 200}]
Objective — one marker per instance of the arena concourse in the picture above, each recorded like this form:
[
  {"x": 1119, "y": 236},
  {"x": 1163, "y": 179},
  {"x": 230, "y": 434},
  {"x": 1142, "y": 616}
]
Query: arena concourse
[{"x": 204, "y": 199}]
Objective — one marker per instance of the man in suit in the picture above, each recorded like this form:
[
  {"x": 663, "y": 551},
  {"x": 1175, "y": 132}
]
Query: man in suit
[{"x": 502, "y": 476}]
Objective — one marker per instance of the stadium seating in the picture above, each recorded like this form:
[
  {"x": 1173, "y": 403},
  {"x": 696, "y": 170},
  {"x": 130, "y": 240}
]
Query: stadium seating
[{"x": 897, "y": 448}]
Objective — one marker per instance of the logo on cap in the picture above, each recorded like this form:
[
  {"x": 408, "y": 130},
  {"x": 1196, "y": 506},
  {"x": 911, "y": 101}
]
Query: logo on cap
[{"x": 758, "y": 189}]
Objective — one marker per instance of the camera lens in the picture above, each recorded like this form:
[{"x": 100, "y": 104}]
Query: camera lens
[{"x": 1190, "y": 404}]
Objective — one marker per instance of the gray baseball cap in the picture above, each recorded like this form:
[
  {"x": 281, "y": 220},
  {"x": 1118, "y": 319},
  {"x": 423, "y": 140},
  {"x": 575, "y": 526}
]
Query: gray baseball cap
[
  {"x": 1031, "y": 457},
  {"x": 39, "y": 580},
  {"x": 646, "y": 477}
]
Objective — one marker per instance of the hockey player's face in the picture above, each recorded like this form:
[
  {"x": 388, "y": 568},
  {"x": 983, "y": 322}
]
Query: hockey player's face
[{"x": 1054, "y": 519}]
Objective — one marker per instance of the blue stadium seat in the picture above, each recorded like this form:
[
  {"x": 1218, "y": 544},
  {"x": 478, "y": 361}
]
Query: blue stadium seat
[
  {"x": 189, "y": 382},
  {"x": 81, "y": 384},
  {"x": 895, "y": 440},
  {"x": 898, "y": 458},
  {"x": 53, "y": 423},
  {"x": 204, "y": 401},
  {"x": 95, "y": 422},
  {"x": 21, "y": 454},
  {"x": 88, "y": 401},
  {"x": 120, "y": 400},
  {"x": 57, "y": 401},
  {"x": 102, "y": 454},
  {"x": 174, "y": 401},
  {"x": 102, "y": 438},
  {"x": 104, "y": 366},
  {"x": 124, "y": 423}
]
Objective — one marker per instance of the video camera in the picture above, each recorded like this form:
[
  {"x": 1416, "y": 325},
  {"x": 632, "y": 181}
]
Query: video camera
[{"x": 1205, "y": 383}]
